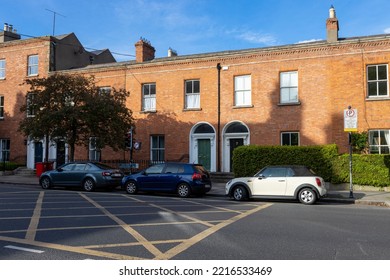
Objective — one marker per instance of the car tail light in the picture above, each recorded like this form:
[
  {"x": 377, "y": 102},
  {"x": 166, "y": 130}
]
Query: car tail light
[
  {"x": 318, "y": 180},
  {"x": 106, "y": 173},
  {"x": 196, "y": 176}
]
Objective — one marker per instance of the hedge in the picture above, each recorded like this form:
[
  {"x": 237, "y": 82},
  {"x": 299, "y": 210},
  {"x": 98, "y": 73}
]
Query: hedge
[
  {"x": 247, "y": 160},
  {"x": 370, "y": 170},
  {"x": 8, "y": 166}
]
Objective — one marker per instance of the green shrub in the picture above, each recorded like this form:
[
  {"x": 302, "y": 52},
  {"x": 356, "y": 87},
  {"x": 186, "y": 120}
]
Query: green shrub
[
  {"x": 8, "y": 166},
  {"x": 372, "y": 170}
]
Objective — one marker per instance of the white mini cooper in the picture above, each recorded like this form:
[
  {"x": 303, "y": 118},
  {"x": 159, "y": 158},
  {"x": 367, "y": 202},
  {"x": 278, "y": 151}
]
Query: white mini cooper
[{"x": 279, "y": 182}]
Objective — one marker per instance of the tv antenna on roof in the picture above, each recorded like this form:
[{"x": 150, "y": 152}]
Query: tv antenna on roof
[{"x": 54, "y": 18}]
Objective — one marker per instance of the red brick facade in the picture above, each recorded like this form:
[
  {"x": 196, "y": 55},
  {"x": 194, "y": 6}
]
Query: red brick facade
[{"x": 331, "y": 77}]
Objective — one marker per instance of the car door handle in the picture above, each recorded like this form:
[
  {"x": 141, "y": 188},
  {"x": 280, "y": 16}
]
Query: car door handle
[{"x": 281, "y": 180}]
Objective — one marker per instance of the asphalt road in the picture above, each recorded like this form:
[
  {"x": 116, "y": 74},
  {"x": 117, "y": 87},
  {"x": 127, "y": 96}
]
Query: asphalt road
[{"x": 62, "y": 224}]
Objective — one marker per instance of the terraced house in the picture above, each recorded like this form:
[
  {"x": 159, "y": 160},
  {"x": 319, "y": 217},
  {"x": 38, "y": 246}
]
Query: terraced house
[{"x": 198, "y": 108}]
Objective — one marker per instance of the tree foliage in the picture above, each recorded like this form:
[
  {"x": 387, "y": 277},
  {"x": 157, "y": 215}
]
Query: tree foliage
[{"x": 73, "y": 108}]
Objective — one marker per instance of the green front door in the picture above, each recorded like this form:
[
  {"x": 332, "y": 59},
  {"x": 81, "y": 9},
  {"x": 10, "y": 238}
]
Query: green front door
[{"x": 204, "y": 153}]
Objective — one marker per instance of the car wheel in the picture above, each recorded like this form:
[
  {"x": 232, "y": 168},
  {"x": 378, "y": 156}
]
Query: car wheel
[
  {"x": 131, "y": 187},
  {"x": 88, "y": 185},
  {"x": 307, "y": 196},
  {"x": 45, "y": 183},
  {"x": 240, "y": 193},
  {"x": 183, "y": 190}
]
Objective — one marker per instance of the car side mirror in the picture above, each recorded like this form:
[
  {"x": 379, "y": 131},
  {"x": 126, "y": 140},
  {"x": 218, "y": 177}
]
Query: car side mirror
[
  {"x": 60, "y": 169},
  {"x": 261, "y": 177}
]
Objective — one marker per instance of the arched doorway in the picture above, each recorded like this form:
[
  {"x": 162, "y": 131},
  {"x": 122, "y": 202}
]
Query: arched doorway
[
  {"x": 202, "y": 145},
  {"x": 234, "y": 134}
]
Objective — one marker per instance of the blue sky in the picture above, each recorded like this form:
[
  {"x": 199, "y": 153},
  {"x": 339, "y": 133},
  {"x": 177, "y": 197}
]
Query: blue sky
[{"x": 193, "y": 26}]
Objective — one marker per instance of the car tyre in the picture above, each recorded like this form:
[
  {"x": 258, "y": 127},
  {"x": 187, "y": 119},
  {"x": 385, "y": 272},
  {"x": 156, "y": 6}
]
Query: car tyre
[
  {"x": 45, "y": 183},
  {"x": 307, "y": 196},
  {"x": 131, "y": 187},
  {"x": 240, "y": 193},
  {"x": 88, "y": 185},
  {"x": 183, "y": 190}
]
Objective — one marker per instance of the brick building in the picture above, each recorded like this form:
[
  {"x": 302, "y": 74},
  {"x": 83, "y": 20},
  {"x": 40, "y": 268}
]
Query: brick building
[
  {"x": 198, "y": 108},
  {"x": 26, "y": 59}
]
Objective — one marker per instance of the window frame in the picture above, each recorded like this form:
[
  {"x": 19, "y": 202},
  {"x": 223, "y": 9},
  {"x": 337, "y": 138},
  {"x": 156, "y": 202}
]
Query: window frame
[
  {"x": 5, "y": 148},
  {"x": 192, "y": 94},
  {"x": 377, "y": 81},
  {"x": 3, "y": 65},
  {"x": 30, "y": 111},
  {"x": 242, "y": 95},
  {"x": 290, "y": 86},
  {"x": 290, "y": 133},
  {"x": 1, "y": 107},
  {"x": 105, "y": 90},
  {"x": 32, "y": 65},
  {"x": 379, "y": 146},
  {"x": 158, "y": 150},
  {"x": 150, "y": 96},
  {"x": 94, "y": 154}
]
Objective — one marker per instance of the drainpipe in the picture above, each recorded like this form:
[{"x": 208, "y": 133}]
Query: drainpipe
[{"x": 219, "y": 119}]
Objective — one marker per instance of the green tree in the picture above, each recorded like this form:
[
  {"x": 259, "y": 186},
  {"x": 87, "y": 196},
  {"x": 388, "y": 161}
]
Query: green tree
[{"x": 73, "y": 108}]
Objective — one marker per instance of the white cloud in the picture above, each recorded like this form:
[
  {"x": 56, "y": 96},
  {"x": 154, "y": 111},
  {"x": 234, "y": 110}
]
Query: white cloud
[
  {"x": 309, "y": 41},
  {"x": 252, "y": 36},
  {"x": 387, "y": 30}
]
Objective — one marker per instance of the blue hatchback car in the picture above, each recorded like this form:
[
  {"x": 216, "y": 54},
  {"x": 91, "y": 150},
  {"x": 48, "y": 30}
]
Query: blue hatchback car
[{"x": 183, "y": 179}]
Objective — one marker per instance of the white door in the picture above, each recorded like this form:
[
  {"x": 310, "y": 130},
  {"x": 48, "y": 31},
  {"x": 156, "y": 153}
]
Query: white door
[{"x": 272, "y": 181}]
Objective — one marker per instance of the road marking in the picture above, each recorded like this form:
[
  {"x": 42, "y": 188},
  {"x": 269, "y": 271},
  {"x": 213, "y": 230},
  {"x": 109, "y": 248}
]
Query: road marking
[
  {"x": 141, "y": 239},
  {"x": 70, "y": 249},
  {"x": 197, "y": 238},
  {"x": 171, "y": 211},
  {"x": 32, "y": 228},
  {"x": 24, "y": 249}
]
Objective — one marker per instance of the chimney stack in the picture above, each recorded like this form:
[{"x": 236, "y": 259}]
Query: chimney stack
[
  {"x": 144, "y": 51},
  {"x": 332, "y": 26},
  {"x": 171, "y": 52},
  {"x": 8, "y": 33}
]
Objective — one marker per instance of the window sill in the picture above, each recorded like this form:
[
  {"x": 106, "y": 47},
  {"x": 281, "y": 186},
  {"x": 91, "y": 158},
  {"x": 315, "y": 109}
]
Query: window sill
[
  {"x": 192, "y": 109},
  {"x": 290, "y": 104},
  {"x": 378, "y": 98},
  {"x": 148, "y": 112},
  {"x": 32, "y": 75},
  {"x": 242, "y": 106}
]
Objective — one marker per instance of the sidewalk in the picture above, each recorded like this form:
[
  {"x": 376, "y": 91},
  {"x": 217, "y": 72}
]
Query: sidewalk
[{"x": 375, "y": 198}]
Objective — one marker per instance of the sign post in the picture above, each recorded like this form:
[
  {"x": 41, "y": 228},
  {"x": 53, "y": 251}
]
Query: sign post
[{"x": 350, "y": 125}]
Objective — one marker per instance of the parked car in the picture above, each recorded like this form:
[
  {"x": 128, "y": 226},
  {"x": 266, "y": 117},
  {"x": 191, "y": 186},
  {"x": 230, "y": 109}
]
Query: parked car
[
  {"x": 87, "y": 175},
  {"x": 279, "y": 182},
  {"x": 183, "y": 179}
]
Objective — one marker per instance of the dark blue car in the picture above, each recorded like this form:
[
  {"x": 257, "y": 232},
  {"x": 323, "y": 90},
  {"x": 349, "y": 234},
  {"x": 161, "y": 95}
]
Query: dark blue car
[{"x": 181, "y": 178}]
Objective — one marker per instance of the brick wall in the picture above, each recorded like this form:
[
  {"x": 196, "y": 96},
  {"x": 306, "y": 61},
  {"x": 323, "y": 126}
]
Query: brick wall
[
  {"x": 14, "y": 89},
  {"x": 331, "y": 77}
]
